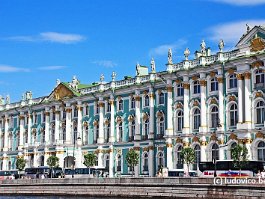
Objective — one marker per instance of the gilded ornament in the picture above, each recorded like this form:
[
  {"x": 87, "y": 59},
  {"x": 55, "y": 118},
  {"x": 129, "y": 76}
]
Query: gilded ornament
[
  {"x": 213, "y": 101},
  {"x": 194, "y": 78},
  {"x": 195, "y": 139},
  {"x": 178, "y": 140},
  {"x": 212, "y": 74},
  {"x": 178, "y": 81},
  {"x": 169, "y": 89},
  {"x": 232, "y": 136},
  {"x": 186, "y": 144},
  {"x": 231, "y": 71},
  {"x": 232, "y": 98},
  {"x": 203, "y": 143},
  {"x": 259, "y": 135},
  {"x": 195, "y": 103},
  {"x": 169, "y": 145},
  {"x": 136, "y": 148},
  {"x": 203, "y": 82},
  {"x": 221, "y": 141},
  {"x": 186, "y": 86},
  {"x": 247, "y": 75},
  {"x": 101, "y": 104},
  {"x": 179, "y": 105},
  {"x": 146, "y": 149},
  {"x": 220, "y": 80},
  {"x": 239, "y": 76},
  {"x": 257, "y": 44},
  {"x": 258, "y": 94},
  {"x": 213, "y": 137},
  {"x": 151, "y": 147},
  {"x": 95, "y": 123},
  {"x": 137, "y": 98}
]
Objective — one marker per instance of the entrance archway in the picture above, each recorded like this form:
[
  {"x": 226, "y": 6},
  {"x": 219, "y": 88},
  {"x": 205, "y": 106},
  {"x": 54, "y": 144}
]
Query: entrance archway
[{"x": 69, "y": 162}]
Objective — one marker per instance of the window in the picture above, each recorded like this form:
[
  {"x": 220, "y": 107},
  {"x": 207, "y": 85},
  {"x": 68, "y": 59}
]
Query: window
[
  {"x": 196, "y": 119},
  {"x": 97, "y": 108},
  {"x": 107, "y": 132},
  {"x": 43, "y": 136},
  {"x": 179, "y": 158},
  {"x": 120, "y": 105},
  {"x": 197, "y": 160},
  {"x": 75, "y": 112},
  {"x": 232, "y": 81},
  {"x": 215, "y": 152},
  {"x": 214, "y": 117},
  {"x": 214, "y": 84},
  {"x": 87, "y": 110},
  {"x": 146, "y": 100},
  {"x": 118, "y": 169},
  {"x": 96, "y": 133},
  {"x": 53, "y": 116},
  {"x": 108, "y": 107},
  {"x": 179, "y": 120},
  {"x": 260, "y": 112},
  {"x": 133, "y": 103},
  {"x": 233, "y": 115},
  {"x": 261, "y": 151},
  {"x": 64, "y": 134},
  {"x": 120, "y": 132},
  {"x": 161, "y": 125},
  {"x": 74, "y": 138},
  {"x": 26, "y": 136},
  {"x": 161, "y": 99},
  {"x": 107, "y": 162},
  {"x": 259, "y": 78},
  {"x": 64, "y": 115},
  {"x": 160, "y": 160},
  {"x": 146, "y": 128},
  {"x": 86, "y": 136},
  {"x": 196, "y": 87},
  {"x": 180, "y": 90},
  {"x": 145, "y": 162},
  {"x": 132, "y": 129},
  {"x": 53, "y": 135}
]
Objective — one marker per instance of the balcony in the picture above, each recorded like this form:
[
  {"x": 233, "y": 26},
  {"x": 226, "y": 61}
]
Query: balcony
[{"x": 259, "y": 85}]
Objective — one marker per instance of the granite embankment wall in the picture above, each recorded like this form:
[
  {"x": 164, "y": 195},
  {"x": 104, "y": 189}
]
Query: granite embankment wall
[{"x": 132, "y": 187}]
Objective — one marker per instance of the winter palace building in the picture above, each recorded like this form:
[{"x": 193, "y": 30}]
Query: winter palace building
[{"x": 209, "y": 103}]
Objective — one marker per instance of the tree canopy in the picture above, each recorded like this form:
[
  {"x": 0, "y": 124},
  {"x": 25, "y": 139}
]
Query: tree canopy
[{"x": 53, "y": 161}]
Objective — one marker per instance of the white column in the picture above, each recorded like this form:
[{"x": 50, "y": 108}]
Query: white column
[
  {"x": 60, "y": 154},
  {"x": 169, "y": 131},
  {"x": 36, "y": 156},
  {"x": 203, "y": 127},
  {"x": 100, "y": 156},
  {"x": 240, "y": 98},
  {"x": 68, "y": 125},
  {"x": 5, "y": 158},
  {"x": 186, "y": 125},
  {"x": 79, "y": 120},
  {"x": 29, "y": 128},
  {"x": 47, "y": 127},
  {"x": 21, "y": 131},
  {"x": 151, "y": 160},
  {"x": 247, "y": 99},
  {"x": 111, "y": 162},
  {"x": 152, "y": 114},
  {"x": 6, "y": 133},
  {"x": 46, "y": 155},
  {"x": 112, "y": 121},
  {"x": 248, "y": 146},
  {"x": 57, "y": 126},
  {"x": 203, "y": 149},
  {"x": 221, "y": 102},
  {"x": 169, "y": 153},
  {"x": 101, "y": 123},
  {"x": 137, "y": 118},
  {"x": 137, "y": 167}
]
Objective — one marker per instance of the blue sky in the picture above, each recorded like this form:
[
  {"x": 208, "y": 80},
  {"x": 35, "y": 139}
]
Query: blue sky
[{"x": 45, "y": 40}]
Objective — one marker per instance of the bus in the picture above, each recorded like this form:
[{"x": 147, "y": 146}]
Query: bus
[
  {"x": 43, "y": 172},
  {"x": 9, "y": 174},
  {"x": 181, "y": 173},
  {"x": 86, "y": 172},
  {"x": 226, "y": 168}
]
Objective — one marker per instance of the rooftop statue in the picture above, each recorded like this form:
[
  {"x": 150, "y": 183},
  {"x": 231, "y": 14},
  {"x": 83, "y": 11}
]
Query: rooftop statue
[
  {"x": 203, "y": 48},
  {"x": 153, "y": 65},
  {"x": 1, "y": 100},
  {"x": 102, "y": 77},
  {"x": 187, "y": 54},
  {"x": 113, "y": 76},
  {"x": 221, "y": 45},
  {"x": 7, "y": 99},
  {"x": 138, "y": 69},
  {"x": 57, "y": 82},
  {"x": 169, "y": 56}
]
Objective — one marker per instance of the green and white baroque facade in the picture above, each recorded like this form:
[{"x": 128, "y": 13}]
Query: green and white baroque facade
[{"x": 208, "y": 103}]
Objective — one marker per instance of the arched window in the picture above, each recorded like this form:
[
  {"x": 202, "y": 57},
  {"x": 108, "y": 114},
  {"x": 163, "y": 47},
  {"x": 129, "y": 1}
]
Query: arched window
[
  {"x": 214, "y": 84},
  {"x": 74, "y": 138},
  {"x": 146, "y": 128},
  {"x": 64, "y": 115},
  {"x": 87, "y": 110},
  {"x": 197, "y": 150},
  {"x": 160, "y": 160},
  {"x": 161, "y": 99},
  {"x": 85, "y": 141},
  {"x": 64, "y": 134},
  {"x": 43, "y": 136},
  {"x": 214, "y": 117},
  {"x": 96, "y": 133},
  {"x": 145, "y": 162},
  {"x": 120, "y": 105},
  {"x": 107, "y": 132},
  {"x": 260, "y": 112},
  {"x": 108, "y": 107},
  {"x": 179, "y": 158},
  {"x": 232, "y": 81},
  {"x": 97, "y": 108},
  {"x": 146, "y": 100},
  {"x": 180, "y": 90},
  {"x": 133, "y": 128},
  {"x": 75, "y": 112},
  {"x": 120, "y": 132},
  {"x": 118, "y": 168},
  {"x": 26, "y": 136},
  {"x": 107, "y": 162},
  {"x": 233, "y": 115},
  {"x": 196, "y": 119},
  {"x": 53, "y": 135},
  {"x": 9, "y": 165},
  {"x": 196, "y": 87},
  {"x": 133, "y": 103},
  {"x": 259, "y": 78},
  {"x": 261, "y": 151},
  {"x": 161, "y": 126},
  {"x": 180, "y": 120},
  {"x": 215, "y": 152}
]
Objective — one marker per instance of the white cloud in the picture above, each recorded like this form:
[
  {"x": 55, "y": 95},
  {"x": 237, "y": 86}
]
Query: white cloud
[
  {"x": 50, "y": 37},
  {"x": 163, "y": 49},
  {"x": 61, "y": 37},
  {"x": 51, "y": 67},
  {"x": 105, "y": 63},
  {"x": 231, "y": 32},
  {"x": 241, "y": 2},
  {"x": 12, "y": 69}
]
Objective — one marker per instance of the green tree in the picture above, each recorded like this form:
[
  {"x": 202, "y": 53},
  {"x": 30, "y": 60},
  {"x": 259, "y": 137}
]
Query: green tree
[
  {"x": 239, "y": 155},
  {"x": 20, "y": 164},
  {"x": 52, "y": 162},
  {"x": 188, "y": 156},
  {"x": 132, "y": 159},
  {"x": 90, "y": 160}
]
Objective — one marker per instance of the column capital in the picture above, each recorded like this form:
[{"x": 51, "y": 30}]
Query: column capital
[
  {"x": 203, "y": 82},
  {"x": 151, "y": 95},
  {"x": 68, "y": 109},
  {"x": 21, "y": 117},
  {"x": 220, "y": 80},
  {"x": 137, "y": 98},
  {"x": 239, "y": 76},
  {"x": 186, "y": 86},
  {"x": 101, "y": 104},
  {"x": 47, "y": 113},
  {"x": 247, "y": 75},
  {"x": 169, "y": 88}
]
